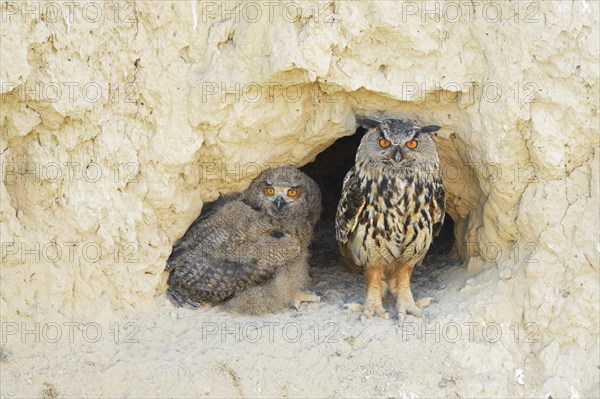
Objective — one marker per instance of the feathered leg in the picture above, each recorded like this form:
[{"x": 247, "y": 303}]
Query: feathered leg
[{"x": 400, "y": 287}]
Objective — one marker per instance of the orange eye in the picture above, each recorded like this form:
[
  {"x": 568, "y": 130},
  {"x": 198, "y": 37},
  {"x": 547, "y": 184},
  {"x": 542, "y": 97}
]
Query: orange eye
[
  {"x": 384, "y": 143},
  {"x": 270, "y": 191},
  {"x": 412, "y": 144},
  {"x": 292, "y": 192}
]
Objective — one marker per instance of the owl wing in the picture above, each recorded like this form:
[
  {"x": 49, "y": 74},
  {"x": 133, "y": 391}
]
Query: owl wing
[
  {"x": 197, "y": 279},
  {"x": 350, "y": 207},
  {"x": 438, "y": 207},
  {"x": 200, "y": 230},
  {"x": 224, "y": 253}
]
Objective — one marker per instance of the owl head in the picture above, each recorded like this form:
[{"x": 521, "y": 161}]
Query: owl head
[
  {"x": 396, "y": 143},
  {"x": 285, "y": 192}
]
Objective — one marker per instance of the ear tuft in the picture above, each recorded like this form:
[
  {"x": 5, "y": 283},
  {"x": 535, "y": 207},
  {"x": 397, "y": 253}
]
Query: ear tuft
[{"x": 430, "y": 128}]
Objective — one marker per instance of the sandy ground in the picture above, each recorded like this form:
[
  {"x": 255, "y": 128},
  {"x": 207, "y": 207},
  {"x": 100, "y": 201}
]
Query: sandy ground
[{"x": 321, "y": 350}]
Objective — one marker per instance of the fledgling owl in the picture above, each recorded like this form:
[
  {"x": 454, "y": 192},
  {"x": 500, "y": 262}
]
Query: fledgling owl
[
  {"x": 392, "y": 204},
  {"x": 250, "y": 249}
]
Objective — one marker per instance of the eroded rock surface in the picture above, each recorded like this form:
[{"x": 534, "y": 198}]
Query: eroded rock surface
[{"x": 119, "y": 121}]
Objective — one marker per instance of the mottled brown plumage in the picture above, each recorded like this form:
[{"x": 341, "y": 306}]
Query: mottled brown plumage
[
  {"x": 249, "y": 249},
  {"x": 392, "y": 204}
]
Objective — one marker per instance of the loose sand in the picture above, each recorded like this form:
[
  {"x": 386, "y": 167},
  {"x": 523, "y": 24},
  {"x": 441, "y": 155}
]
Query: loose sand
[{"x": 321, "y": 350}]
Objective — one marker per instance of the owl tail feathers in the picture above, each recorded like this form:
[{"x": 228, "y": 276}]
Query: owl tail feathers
[{"x": 182, "y": 300}]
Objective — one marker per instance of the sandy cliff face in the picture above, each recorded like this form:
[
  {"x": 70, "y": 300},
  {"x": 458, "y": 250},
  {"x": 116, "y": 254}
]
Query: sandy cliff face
[{"x": 118, "y": 120}]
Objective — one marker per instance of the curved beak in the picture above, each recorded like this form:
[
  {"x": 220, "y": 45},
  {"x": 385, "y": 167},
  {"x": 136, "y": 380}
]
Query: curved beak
[
  {"x": 279, "y": 202},
  {"x": 397, "y": 155}
]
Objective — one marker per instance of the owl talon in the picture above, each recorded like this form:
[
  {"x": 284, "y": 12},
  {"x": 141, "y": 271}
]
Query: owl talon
[
  {"x": 415, "y": 311},
  {"x": 305, "y": 297},
  {"x": 424, "y": 302},
  {"x": 355, "y": 307},
  {"x": 400, "y": 318},
  {"x": 426, "y": 317},
  {"x": 368, "y": 313},
  {"x": 402, "y": 308}
]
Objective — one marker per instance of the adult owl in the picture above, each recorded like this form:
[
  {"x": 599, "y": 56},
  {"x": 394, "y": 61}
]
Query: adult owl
[
  {"x": 250, "y": 249},
  {"x": 392, "y": 204}
]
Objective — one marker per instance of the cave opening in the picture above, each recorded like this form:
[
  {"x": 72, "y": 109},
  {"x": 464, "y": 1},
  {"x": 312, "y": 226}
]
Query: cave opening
[{"x": 329, "y": 169}]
